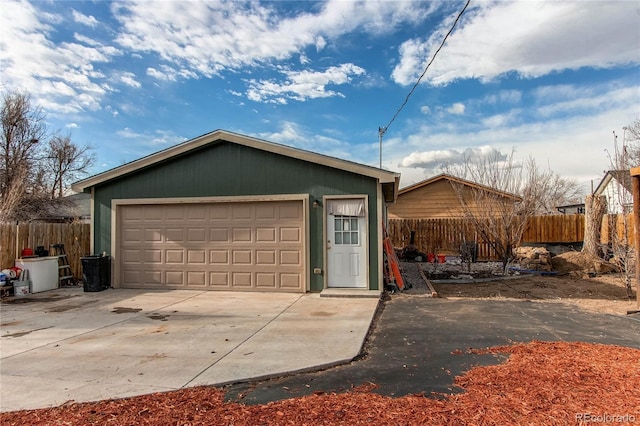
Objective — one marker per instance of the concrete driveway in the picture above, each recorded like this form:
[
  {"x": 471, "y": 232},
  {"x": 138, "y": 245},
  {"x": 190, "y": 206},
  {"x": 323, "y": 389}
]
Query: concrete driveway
[{"x": 68, "y": 345}]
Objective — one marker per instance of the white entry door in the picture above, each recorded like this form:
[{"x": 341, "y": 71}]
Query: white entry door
[{"x": 346, "y": 251}]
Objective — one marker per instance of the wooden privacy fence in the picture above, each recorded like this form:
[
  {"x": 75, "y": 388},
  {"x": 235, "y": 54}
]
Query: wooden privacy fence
[
  {"x": 74, "y": 236},
  {"x": 446, "y": 236}
]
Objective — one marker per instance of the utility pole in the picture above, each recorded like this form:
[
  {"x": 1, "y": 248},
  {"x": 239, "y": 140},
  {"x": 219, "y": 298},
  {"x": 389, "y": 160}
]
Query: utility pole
[{"x": 381, "y": 132}]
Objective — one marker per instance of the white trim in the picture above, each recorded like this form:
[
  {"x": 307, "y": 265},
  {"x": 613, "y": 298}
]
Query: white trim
[
  {"x": 325, "y": 237},
  {"x": 116, "y": 203}
]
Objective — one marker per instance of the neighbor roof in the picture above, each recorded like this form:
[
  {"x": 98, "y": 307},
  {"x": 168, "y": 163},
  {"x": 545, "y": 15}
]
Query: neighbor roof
[
  {"x": 622, "y": 176},
  {"x": 445, "y": 176},
  {"x": 389, "y": 180}
]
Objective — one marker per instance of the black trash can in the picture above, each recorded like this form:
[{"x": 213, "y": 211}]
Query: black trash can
[{"x": 96, "y": 272}]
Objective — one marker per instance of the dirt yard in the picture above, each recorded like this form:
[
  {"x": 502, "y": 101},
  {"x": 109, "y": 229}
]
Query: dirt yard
[{"x": 573, "y": 281}]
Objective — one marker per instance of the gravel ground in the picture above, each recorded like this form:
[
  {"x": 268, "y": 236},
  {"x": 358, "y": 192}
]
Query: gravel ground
[{"x": 453, "y": 270}]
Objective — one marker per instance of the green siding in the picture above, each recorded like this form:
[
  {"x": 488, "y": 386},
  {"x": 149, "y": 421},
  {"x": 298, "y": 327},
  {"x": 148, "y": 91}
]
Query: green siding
[{"x": 227, "y": 169}]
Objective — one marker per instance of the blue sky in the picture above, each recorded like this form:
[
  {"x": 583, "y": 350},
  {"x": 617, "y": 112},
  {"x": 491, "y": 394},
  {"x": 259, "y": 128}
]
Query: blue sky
[{"x": 549, "y": 79}]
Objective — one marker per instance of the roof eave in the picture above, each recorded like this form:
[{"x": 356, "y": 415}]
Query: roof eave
[{"x": 383, "y": 176}]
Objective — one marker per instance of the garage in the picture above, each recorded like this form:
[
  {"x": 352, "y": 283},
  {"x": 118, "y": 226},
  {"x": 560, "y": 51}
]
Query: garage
[
  {"x": 225, "y": 211},
  {"x": 252, "y": 245}
]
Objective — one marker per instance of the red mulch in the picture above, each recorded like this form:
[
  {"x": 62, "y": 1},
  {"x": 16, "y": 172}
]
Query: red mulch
[{"x": 541, "y": 383}]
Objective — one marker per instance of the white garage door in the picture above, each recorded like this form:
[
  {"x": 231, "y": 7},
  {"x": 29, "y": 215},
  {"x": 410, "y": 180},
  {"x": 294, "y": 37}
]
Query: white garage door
[{"x": 247, "y": 246}]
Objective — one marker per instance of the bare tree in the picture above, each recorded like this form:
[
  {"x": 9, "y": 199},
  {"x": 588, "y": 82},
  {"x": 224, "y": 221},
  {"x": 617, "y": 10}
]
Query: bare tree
[
  {"x": 23, "y": 129},
  {"x": 508, "y": 196},
  {"x": 620, "y": 224},
  {"x": 595, "y": 209},
  {"x": 65, "y": 162},
  {"x": 558, "y": 191},
  {"x": 32, "y": 171},
  {"x": 631, "y": 143}
]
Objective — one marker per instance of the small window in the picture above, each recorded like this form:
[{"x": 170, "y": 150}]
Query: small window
[{"x": 346, "y": 230}]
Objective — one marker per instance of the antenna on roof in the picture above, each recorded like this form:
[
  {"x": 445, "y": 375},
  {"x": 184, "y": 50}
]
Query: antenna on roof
[{"x": 381, "y": 131}]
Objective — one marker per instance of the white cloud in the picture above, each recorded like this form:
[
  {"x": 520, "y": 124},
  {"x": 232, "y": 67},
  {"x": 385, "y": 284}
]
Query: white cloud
[
  {"x": 563, "y": 99},
  {"x": 166, "y": 73},
  {"x": 152, "y": 139},
  {"x": 303, "y": 85},
  {"x": 440, "y": 159},
  {"x": 294, "y": 134},
  {"x": 129, "y": 79},
  {"x": 500, "y": 120},
  {"x": 65, "y": 79},
  {"x": 530, "y": 38},
  {"x": 114, "y": 112},
  {"x": 127, "y": 133},
  {"x": 208, "y": 38},
  {"x": 456, "y": 109},
  {"x": 569, "y": 138},
  {"x": 503, "y": 96},
  {"x": 89, "y": 21},
  {"x": 425, "y": 110}
]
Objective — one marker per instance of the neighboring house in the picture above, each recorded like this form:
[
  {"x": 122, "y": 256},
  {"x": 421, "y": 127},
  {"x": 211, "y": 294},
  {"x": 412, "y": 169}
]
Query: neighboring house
[
  {"x": 571, "y": 209},
  {"x": 72, "y": 208},
  {"x": 225, "y": 211},
  {"x": 437, "y": 197},
  {"x": 616, "y": 187}
]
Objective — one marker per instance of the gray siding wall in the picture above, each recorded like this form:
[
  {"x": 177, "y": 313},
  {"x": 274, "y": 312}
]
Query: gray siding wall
[{"x": 226, "y": 169}]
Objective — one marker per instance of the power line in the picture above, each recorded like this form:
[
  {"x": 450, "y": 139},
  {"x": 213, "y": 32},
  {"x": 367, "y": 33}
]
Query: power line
[{"x": 382, "y": 130}]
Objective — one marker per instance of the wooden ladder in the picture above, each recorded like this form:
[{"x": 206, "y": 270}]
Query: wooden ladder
[
  {"x": 65, "y": 276},
  {"x": 393, "y": 273}
]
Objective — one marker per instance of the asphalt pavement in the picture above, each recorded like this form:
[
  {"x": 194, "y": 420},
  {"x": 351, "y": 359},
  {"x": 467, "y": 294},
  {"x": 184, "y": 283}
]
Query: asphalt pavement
[{"x": 418, "y": 345}]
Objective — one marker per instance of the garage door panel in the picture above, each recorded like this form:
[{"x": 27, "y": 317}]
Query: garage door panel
[
  {"x": 196, "y": 235},
  {"x": 197, "y": 257},
  {"x": 290, "y": 235},
  {"x": 291, "y": 211},
  {"x": 198, "y": 279},
  {"x": 175, "y": 256},
  {"x": 174, "y": 278},
  {"x": 266, "y": 235},
  {"x": 290, "y": 257},
  {"x": 174, "y": 213},
  {"x": 153, "y": 214},
  {"x": 175, "y": 235},
  {"x": 265, "y": 280},
  {"x": 219, "y": 235},
  {"x": 241, "y": 279},
  {"x": 153, "y": 256},
  {"x": 266, "y": 257},
  {"x": 219, "y": 257},
  {"x": 242, "y": 235},
  {"x": 133, "y": 235},
  {"x": 197, "y": 213},
  {"x": 131, "y": 256},
  {"x": 219, "y": 212},
  {"x": 132, "y": 214},
  {"x": 219, "y": 280},
  {"x": 290, "y": 280},
  {"x": 151, "y": 277},
  {"x": 242, "y": 212},
  {"x": 266, "y": 212},
  {"x": 153, "y": 235},
  {"x": 215, "y": 246},
  {"x": 241, "y": 257}
]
